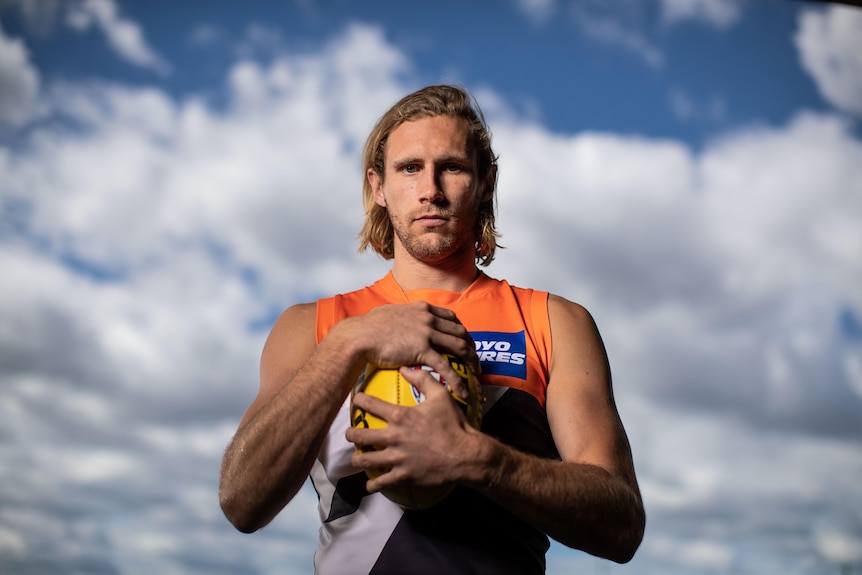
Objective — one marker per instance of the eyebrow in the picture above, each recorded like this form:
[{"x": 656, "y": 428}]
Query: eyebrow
[{"x": 453, "y": 158}]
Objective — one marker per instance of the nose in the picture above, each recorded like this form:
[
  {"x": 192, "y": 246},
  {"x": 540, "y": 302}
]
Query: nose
[{"x": 431, "y": 187}]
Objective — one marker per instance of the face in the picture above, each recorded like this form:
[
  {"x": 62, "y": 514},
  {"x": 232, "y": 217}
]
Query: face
[{"x": 430, "y": 189}]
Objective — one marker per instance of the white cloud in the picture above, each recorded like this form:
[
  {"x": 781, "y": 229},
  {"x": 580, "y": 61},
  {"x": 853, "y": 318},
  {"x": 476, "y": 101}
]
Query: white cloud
[
  {"x": 617, "y": 25},
  {"x": 146, "y": 236},
  {"x": 838, "y": 537},
  {"x": 620, "y": 25},
  {"x": 686, "y": 108},
  {"x": 123, "y": 35},
  {"x": 830, "y": 48},
  {"x": 720, "y": 14},
  {"x": 19, "y": 81},
  {"x": 718, "y": 279},
  {"x": 538, "y": 11},
  {"x": 748, "y": 251}
]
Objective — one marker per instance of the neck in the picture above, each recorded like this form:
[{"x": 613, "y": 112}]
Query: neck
[{"x": 455, "y": 276}]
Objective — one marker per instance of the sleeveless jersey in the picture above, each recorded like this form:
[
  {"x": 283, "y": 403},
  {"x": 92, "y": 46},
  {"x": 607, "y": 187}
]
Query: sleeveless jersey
[{"x": 366, "y": 533}]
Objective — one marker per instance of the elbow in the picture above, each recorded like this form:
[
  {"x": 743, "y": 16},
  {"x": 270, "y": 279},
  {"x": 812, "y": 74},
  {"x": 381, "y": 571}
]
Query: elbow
[
  {"x": 615, "y": 538},
  {"x": 242, "y": 524},
  {"x": 624, "y": 552},
  {"x": 238, "y": 515},
  {"x": 625, "y": 542},
  {"x": 250, "y": 506},
  {"x": 248, "y": 509}
]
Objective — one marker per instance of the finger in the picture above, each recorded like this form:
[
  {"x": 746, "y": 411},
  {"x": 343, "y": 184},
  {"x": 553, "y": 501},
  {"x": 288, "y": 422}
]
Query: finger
[
  {"x": 441, "y": 365},
  {"x": 386, "y": 479},
  {"x": 424, "y": 382},
  {"x": 375, "y": 406},
  {"x": 363, "y": 437},
  {"x": 379, "y": 469},
  {"x": 462, "y": 345},
  {"x": 443, "y": 313},
  {"x": 464, "y": 349}
]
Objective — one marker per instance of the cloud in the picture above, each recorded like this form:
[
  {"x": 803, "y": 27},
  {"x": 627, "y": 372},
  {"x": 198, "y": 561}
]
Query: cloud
[
  {"x": 538, "y": 11},
  {"x": 830, "y": 50},
  {"x": 617, "y": 25},
  {"x": 123, "y": 35},
  {"x": 719, "y": 280},
  {"x": 208, "y": 35},
  {"x": 40, "y": 16},
  {"x": 19, "y": 81},
  {"x": 149, "y": 239},
  {"x": 839, "y": 537},
  {"x": 734, "y": 244},
  {"x": 720, "y": 14},
  {"x": 687, "y": 109},
  {"x": 152, "y": 240}
]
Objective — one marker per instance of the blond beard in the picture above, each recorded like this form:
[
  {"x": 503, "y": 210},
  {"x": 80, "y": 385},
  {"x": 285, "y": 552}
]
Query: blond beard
[{"x": 433, "y": 249}]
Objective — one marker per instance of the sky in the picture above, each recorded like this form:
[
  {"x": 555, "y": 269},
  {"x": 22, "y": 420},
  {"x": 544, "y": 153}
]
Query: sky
[{"x": 174, "y": 175}]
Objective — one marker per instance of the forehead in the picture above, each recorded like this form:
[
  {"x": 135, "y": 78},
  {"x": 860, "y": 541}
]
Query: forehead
[{"x": 428, "y": 137}]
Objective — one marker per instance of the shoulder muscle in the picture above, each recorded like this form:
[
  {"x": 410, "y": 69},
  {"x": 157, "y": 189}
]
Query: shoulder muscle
[{"x": 581, "y": 409}]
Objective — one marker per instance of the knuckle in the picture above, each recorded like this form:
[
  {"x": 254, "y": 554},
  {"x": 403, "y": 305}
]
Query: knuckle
[
  {"x": 397, "y": 475},
  {"x": 397, "y": 417},
  {"x": 427, "y": 317}
]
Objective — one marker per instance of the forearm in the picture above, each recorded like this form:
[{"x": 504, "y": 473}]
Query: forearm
[
  {"x": 582, "y": 506},
  {"x": 303, "y": 385},
  {"x": 272, "y": 453}
]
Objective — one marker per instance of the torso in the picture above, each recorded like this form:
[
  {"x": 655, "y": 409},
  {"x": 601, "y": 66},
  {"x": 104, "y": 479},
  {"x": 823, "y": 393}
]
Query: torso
[{"x": 465, "y": 533}]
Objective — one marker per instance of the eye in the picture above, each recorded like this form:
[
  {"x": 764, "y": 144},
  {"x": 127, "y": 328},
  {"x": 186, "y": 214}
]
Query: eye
[
  {"x": 453, "y": 168},
  {"x": 410, "y": 169}
]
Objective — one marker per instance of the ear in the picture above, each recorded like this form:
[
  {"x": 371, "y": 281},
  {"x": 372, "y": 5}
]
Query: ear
[{"x": 376, "y": 187}]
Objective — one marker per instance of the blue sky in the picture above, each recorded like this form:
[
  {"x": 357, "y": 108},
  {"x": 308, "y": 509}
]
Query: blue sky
[
  {"x": 548, "y": 60},
  {"x": 172, "y": 175}
]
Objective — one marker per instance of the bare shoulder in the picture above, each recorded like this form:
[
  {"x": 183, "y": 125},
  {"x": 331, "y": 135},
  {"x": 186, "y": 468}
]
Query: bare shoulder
[
  {"x": 571, "y": 311},
  {"x": 291, "y": 340},
  {"x": 580, "y": 403},
  {"x": 574, "y": 332},
  {"x": 295, "y": 320}
]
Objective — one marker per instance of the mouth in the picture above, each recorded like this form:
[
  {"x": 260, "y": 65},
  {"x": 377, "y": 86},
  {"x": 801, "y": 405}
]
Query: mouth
[{"x": 432, "y": 219}]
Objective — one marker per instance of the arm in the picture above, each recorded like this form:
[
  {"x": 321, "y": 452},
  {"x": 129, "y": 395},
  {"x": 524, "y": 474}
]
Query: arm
[
  {"x": 302, "y": 387},
  {"x": 589, "y": 500}
]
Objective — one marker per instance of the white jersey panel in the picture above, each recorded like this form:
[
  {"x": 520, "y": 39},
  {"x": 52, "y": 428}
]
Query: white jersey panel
[{"x": 352, "y": 543}]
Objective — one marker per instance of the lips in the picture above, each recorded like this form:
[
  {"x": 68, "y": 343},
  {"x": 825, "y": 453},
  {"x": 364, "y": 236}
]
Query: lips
[
  {"x": 431, "y": 220},
  {"x": 433, "y": 217}
]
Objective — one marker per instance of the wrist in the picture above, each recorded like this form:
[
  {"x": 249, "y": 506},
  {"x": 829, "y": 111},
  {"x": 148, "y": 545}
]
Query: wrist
[
  {"x": 487, "y": 460},
  {"x": 345, "y": 345},
  {"x": 344, "y": 339}
]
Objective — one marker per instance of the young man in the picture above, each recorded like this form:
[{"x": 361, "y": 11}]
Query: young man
[{"x": 552, "y": 457}]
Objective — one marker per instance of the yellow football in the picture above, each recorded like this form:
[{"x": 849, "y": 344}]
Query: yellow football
[{"x": 389, "y": 385}]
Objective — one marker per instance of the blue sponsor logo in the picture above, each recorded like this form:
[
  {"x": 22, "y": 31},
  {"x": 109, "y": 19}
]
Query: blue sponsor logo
[{"x": 502, "y": 353}]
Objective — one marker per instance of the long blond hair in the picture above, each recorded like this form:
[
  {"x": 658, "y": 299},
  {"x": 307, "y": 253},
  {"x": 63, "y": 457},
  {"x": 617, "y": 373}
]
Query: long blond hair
[{"x": 453, "y": 101}]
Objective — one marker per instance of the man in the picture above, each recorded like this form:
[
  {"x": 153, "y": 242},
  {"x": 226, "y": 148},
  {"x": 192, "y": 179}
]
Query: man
[{"x": 552, "y": 457}]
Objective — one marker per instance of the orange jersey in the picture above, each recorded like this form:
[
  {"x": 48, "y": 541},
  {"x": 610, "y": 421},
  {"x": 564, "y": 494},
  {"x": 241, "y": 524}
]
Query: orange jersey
[
  {"x": 510, "y": 325},
  {"x": 367, "y": 533}
]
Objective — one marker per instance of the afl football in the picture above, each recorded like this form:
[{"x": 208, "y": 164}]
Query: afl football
[{"x": 388, "y": 384}]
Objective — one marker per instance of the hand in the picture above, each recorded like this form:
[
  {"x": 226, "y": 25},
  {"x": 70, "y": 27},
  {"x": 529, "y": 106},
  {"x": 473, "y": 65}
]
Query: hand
[
  {"x": 428, "y": 444},
  {"x": 416, "y": 333}
]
